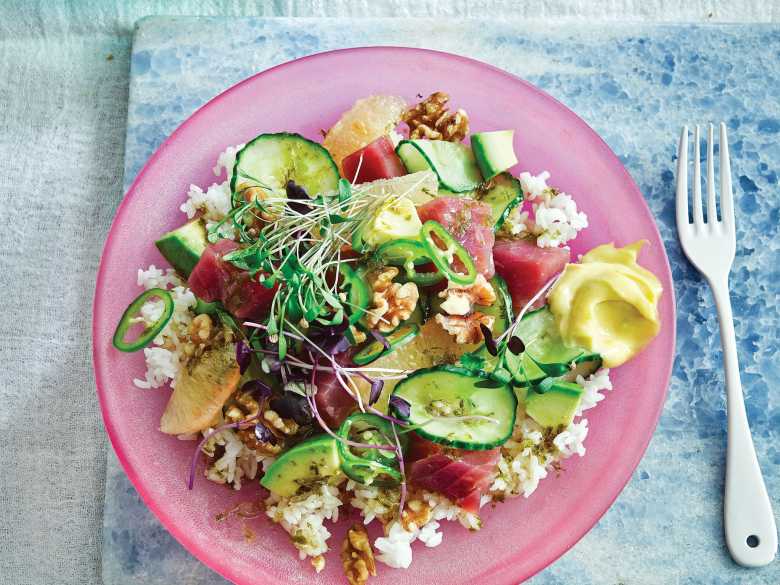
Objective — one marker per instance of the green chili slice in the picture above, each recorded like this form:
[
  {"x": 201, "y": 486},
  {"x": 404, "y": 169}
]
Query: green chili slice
[
  {"x": 358, "y": 294},
  {"x": 370, "y": 466},
  {"x": 434, "y": 236},
  {"x": 409, "y": 254},
  {"x": 131, "y": 317},
  {"x": 373, "y": 350}
]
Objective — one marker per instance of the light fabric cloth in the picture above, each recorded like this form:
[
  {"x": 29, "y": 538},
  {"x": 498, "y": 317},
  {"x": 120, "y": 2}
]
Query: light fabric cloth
[{"x": 63, "y": 103}]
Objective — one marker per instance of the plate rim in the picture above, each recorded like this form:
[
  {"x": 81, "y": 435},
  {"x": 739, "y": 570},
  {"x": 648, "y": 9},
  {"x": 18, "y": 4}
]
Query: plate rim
[{"x": 504, "y": 572}]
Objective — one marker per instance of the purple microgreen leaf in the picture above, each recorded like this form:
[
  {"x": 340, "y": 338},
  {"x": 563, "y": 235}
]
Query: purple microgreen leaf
[
  {"x": 258, "y": 389},
  {"x": 376, "y": 390},
  {"x": 490, "y": 343},
  {"x": 297, "y": 193},
  {"x": 401, "y": 406},
  {"x": 294, "y": 406},
  {"x": 380, "y": 338},
  {"x": 516, "y": 345},
  {"x": 264, "y": 435},
  {"x": 243, "y": 355},
  {"x": 340, "y": 346}
]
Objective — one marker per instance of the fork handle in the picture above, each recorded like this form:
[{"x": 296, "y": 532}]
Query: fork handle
[{"x": 751, "y": 534}]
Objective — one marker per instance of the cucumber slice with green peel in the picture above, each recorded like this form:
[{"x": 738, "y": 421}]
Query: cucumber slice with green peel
[
  {"x": 503, "y": 193},
  {"x": 458, "y": 408},
  {"x": 524, "y": 370},
  {"x": 314, "y": 460},
  {"x": 494, "y": 152},
  {"x": 501, "y": 309},
  {"x": 452, "y": 162},
  {"x": 271, "y": 160},
  {"x": 376, "y": 349},
  {"x": 556, "y": 406},
  {"x": 543, "y": 343},
  {"x": 183, "y": 246},
  {"x": 585, "y": 367}
]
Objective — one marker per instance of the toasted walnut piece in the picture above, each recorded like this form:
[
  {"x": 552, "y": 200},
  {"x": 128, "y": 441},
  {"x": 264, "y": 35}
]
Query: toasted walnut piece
[
  {"x": 430, "y": 119},
  {"x": 416, "y": 514},
  {"x": 465, "y": 328},
  {"x": 286, "y": 426},
  {"x": 357, "y": 557},
  {"x": 243, "y": 406},
  {"x": 200, "y": 329},
  {"x": 253, "y": 194},
  {"x": 391, "y": 302},
  {"x": 358, "y": 335},
  {"x": 461, "y": 299}
]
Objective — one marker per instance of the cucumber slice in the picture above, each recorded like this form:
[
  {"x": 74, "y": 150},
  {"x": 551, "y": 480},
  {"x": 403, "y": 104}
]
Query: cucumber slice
[
  {"x": 543, "y": 343},
  {"x": 501, "y": 309},
  {"x": 270, "y": 160},
  {"x": 503, "y": 194},
  {"x": 524, "y": 370},
  {"x": 183, "y": 246},
  {"x": 376, "y": 349},
  {"x": 449, "y": 392},
  {"x": 556, "y": 406},
  {"x": 585, "y": 367},
  {"x": 452, "y": 162},
  {"x": 494, "y": 151}
]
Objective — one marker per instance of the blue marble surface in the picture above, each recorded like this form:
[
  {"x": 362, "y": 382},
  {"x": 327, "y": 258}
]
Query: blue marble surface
[{"x": 636, "y": 86}]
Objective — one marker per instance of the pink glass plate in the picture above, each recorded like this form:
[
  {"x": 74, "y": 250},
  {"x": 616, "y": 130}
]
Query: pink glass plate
[{"x": 518, "y": 538}]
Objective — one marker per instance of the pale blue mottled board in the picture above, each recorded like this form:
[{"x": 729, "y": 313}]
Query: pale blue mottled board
[{"x": 636, "y": 85}]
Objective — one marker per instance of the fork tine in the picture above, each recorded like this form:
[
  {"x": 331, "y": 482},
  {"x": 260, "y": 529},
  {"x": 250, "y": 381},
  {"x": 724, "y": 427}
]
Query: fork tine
[
  {"x": 726, "y": 194},
  {"x": 712, "y": 210},
  {"x": 682, "y": 180},
  {"x": 698, "y": 216}
]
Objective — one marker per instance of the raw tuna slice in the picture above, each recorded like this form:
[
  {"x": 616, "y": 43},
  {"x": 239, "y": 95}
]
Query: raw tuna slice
[
  {"x": 470, "y": 222},
  {"x": 214, "y": 279},
  {"x": 463, "y": 476},
  {"x": 333, "y": 402},
  {"x": 379, "y": 161},
  {"x": 526, "y": 268}
]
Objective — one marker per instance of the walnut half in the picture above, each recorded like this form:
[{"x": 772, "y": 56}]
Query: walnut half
[
  {"x": 466, "y": 328},
  {"x": 432, "y": 120},
  {"x": 459, "y": 300},
  {"x": 357, "y": 557},
  {"x": 392, "y": 302}
]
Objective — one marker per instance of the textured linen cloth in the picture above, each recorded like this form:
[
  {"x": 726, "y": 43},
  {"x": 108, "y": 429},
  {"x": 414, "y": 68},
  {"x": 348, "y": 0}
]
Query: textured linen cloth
[{"x": 63, "y": 103}]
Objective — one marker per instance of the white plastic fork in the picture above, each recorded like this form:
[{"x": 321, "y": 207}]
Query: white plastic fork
[{"x": 751, "y": 534}]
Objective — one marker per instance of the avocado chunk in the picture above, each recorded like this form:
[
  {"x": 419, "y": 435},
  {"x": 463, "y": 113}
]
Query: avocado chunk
[
  {"x": 183, "y": 246},
  {"x": 394, "y": 220},
  {"x": 313, "y": 460},
  {"x": 556, "y": 406}
]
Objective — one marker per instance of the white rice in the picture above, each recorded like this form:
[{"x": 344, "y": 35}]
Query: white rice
[
  {"x": 395, "y": 548},
  {"x": 237, "y": 463},
  {"x": 593, "y": 386},
  {"x": 163, "y": 363},
  {"x": 303, "y": 517},
  {"x": 214, "y": 203},
  {"x": 556, "y": 219}
]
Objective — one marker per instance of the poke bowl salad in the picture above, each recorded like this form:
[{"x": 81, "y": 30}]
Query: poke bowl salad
[{"x": 388, "y": 321}]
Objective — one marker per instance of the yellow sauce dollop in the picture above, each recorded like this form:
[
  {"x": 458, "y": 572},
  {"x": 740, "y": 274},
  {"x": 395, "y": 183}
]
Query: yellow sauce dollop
[{"x": 607, "y": 303}]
